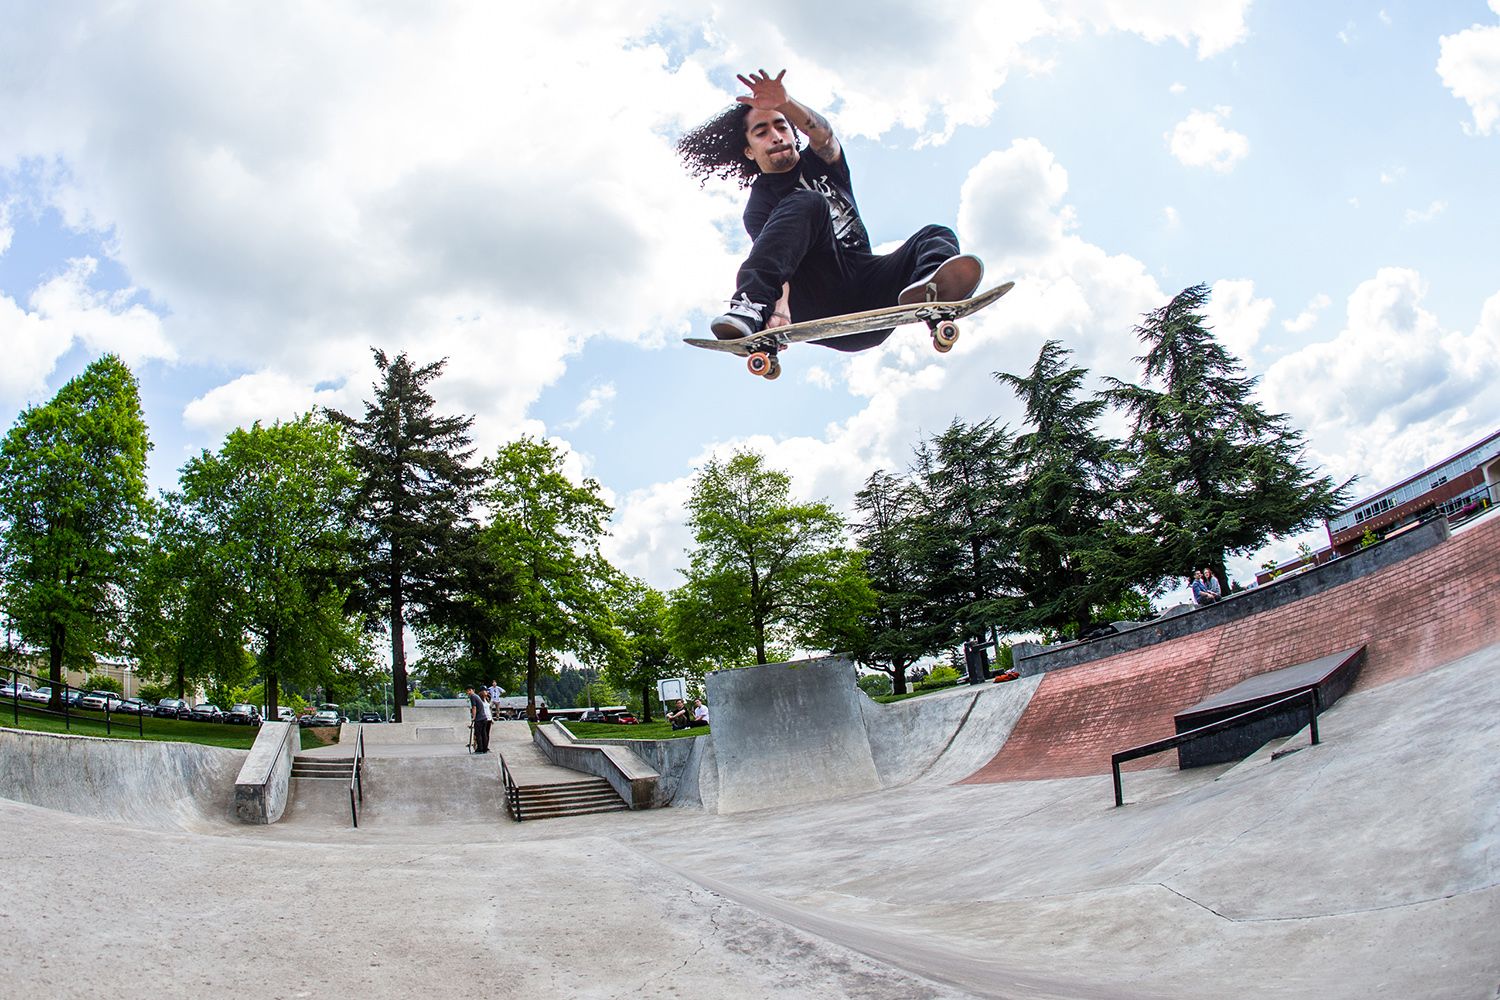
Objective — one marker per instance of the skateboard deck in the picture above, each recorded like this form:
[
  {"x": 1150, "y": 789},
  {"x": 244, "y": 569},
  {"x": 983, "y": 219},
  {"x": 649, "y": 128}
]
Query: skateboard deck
[{"x": 939, "y": 317}]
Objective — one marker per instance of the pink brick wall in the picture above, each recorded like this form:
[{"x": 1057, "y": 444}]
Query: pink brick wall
[{"x": 1424, "y": 611}]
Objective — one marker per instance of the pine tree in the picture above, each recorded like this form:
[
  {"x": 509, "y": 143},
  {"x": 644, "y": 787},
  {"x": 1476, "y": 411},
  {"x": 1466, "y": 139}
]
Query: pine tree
[
  {"x": 1065, "y": 533},
  {"x": 412, "y": 505},
  {"x": 1214, "y": 474}
]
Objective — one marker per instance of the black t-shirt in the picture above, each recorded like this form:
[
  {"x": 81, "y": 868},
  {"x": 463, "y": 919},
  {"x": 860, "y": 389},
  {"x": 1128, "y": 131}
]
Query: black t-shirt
[{"x": 831, "y": 180}]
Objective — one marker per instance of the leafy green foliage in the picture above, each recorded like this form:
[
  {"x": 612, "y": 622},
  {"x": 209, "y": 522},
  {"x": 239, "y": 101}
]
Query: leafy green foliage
[
  {"x": 766, "y": 574},
  {"x": 544, "y": 537},
  {"x": 258, "y": 531},
  {"x": 875, "y": 684},
  {"x": 102, "y": 682},
  {"x": 641, "y": 614},
  {"x": 73, "y": 501}
]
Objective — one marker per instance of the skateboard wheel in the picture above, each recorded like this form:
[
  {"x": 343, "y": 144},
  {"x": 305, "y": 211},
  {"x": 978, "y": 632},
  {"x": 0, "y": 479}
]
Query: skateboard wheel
[
  {"x": 758, "y": 363},
  {"x": 945, "y": 335},
  {"x": 775, "y": 370}
]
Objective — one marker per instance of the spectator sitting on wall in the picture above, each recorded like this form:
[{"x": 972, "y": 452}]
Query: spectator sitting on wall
[
  {"x": 679, "y": 719},
  {"x": 542, "y": 715},
  {"x": 1211, "y": 582},
  {"x": 1203, "y": 593},
  {"x": 700, "y": 714}
]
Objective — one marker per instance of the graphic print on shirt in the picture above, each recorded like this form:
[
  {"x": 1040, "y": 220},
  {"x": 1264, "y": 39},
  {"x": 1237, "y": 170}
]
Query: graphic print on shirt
[{"x": 847, "y": 227}]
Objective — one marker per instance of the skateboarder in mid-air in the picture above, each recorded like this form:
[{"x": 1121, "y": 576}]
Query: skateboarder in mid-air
[{"x": 811, "y": 257}]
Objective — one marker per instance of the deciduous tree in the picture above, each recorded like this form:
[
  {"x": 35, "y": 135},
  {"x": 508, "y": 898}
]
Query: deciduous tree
[{"x": 73, "y": 499}]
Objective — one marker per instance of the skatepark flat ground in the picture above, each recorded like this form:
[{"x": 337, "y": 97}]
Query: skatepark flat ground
[{"x": 1366, "y": 866}]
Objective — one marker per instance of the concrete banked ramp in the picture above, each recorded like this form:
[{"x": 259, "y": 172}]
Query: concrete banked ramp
[
  {"x": 785, "y": 733},
  {"x": 184, "y": 786}
]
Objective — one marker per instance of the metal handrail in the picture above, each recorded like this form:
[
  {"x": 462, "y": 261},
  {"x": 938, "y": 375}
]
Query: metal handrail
[
  {"x": 65, "y": 714},
  {"x": 1311, "y": 696},
  {"x": 512, "y": 791},
  {"x": 355, "y": 788}
]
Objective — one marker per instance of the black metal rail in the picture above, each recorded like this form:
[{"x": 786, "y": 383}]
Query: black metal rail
[
  {"x": 1310, "y": 696},
  {"x": 512, "y": 792},
  {"x": 40, "y": 708},
  {"x": 355, "y": 788}
]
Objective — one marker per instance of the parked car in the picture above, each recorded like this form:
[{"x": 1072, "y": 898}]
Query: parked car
[
  {"x": 14, "y": 690},
  {"x": 101, "y": 701},
  {"x": 172, "y": 708},
  {"x": 284, "y": 714},
  {"x": 243, "y": 715},
  {"x": 134, "y": 706},
  {"x": 327, "y": 717},
  {"x": 306, "y": 719},
  {"x": 206, "y": 713},
  {"x": 41, "y": 695},
  {"x": 72, "y": 697},
  {"x": 370, "y": 717}
]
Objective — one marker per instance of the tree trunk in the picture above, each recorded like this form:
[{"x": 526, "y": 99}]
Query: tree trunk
[
  {"x": 398, "y": 652},
  {"x": 645, "y": 703},
  {"x": 531, "y": 677},
  {"x": 898, "y": 678},
  {"x": 181, "y": 682},
  {"x": 55, "y": 663},
  {"x": 273, "y": 696}
]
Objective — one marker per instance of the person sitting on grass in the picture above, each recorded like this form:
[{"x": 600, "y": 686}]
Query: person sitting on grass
[
  {"x": 679, "y": 719},
  {"x": 700, "y": 714}
]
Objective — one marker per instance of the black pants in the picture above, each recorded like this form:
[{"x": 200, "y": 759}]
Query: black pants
[
  {"x": 481, "y": 735},
  {"x": 797, "y": 245}
]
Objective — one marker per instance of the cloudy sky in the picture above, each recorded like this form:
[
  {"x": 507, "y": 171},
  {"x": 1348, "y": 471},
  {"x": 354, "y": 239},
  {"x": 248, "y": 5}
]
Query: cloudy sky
[{"x": 242, "y": 199}]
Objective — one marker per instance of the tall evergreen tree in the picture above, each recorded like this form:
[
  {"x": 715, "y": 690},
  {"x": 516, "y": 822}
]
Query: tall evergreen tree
[
  {"x": 966, "y": 476},
  {"x": 1065, "y": 533},
  {"x": 899, "y": 628},
  {"x": 1214, "y": 473},
  {"x": 545, "y": 537},
  {"x": 73, "y": 499},
  {"x": 412, "y": 505}
]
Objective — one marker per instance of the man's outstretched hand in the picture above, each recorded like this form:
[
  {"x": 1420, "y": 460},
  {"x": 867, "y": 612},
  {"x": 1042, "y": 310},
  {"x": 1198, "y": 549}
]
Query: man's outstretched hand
[{"x": 767, "y": 93}]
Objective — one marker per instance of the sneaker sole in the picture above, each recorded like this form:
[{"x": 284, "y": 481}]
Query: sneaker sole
[{"x": 956, "y": 280}]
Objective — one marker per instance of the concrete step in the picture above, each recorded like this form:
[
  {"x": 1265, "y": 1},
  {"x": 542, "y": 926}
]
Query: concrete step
[
  {"x": 343, "y": 770},
  {"x": 568, "y": 799}
]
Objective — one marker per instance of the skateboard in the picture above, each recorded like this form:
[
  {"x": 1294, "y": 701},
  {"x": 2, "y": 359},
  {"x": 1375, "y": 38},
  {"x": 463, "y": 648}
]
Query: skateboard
[{"x": 759, "y": 350}]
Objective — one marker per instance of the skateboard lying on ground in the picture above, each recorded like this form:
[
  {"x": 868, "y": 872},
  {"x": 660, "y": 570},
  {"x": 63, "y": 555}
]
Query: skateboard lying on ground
[{"x": 760, "y": 349}]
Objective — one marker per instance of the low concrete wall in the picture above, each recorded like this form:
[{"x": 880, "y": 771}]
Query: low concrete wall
[
  {"x": 672, "y": 760},
  {"x": 946, "y": 736},
  {"x": 1034, "y": 659},
  {"x": 789, "y": 732},
  {"x": 637, "y": 782},
  {"x": 261, "y": 790},
  {"x": 149, "y": 783},
  {"x": 425, "y": 731}
]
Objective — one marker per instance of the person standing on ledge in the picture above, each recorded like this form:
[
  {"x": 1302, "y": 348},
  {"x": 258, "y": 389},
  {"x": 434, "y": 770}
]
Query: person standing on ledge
[{"x": 811, "y": 257}]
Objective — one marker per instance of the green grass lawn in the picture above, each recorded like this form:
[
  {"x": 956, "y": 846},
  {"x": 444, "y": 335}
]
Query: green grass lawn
[
  {"x": 639, "y": 731},
  {"x": 886, "y": 699},
  {"x": 124, "y": 727}
]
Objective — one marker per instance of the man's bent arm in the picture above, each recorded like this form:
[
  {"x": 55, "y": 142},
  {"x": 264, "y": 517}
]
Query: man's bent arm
[
  {"x": 820, "y": 137},
  {"x": 768, "y": 93}
]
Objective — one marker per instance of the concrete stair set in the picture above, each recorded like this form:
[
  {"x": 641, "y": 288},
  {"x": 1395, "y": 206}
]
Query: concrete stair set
[
  {"x": 572, "y": 798},
  {"x": 325, "y": 769}
]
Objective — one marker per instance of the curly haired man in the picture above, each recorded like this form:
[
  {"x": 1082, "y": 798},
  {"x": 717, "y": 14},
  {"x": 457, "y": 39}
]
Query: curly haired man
[{"x": 811, "y": 256}]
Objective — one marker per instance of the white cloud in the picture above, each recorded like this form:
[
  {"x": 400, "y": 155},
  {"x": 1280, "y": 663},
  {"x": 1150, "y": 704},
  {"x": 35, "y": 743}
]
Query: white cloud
[
  {"x": 1236, "y": 316},
  {"x": 599, "y": 397},
  {"x": 1200, "y": 141},
  {"x": 1177, "y": 88},
  {"x": 65, "y": 310},
  {"x": 1171, "y": 214},
  {"x": 816, "y": 375},
  {"x": 1309, "y": 316},
  {"x": 1385, "y": 17},
  {"x": 1469, "y": 64},
  {"x": 1391, "y": 176},
  {"x": 1413, "y": 217},
  {"x": 1393, "y": 391}
]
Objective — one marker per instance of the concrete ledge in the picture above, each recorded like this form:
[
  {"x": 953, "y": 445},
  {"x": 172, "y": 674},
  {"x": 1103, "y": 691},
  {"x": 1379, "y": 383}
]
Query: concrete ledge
[
  {"x": 673, "y": 760},
  {"x": 1034, "y": 659},
  {"x": 638, "y": 783},
  {"x": 260, "y": 791}
]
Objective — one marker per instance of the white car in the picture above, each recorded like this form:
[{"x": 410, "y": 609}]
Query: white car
[
  {"x": 10, "y": 690},
  {"x": 326, "y": 717},
  {"x": 101, "y": 701},
  {"x": 41, "y": 695}
]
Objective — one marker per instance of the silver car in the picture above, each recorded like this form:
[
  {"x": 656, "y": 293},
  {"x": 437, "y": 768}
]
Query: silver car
[{"x": 101, "y": 701}]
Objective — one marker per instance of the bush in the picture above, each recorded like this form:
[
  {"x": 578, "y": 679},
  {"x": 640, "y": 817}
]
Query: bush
[
  {"x": 940, "y": 677},
  {"x": 102, "y": 682},
  {"x": 875, "y": 685},
  {"x": 154, "y": 693}
]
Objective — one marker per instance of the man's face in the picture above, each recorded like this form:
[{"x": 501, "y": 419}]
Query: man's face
[{"x": 770, "y": 141}]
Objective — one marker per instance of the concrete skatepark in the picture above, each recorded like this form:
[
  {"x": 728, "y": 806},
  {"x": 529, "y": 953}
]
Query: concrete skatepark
[{"x": 959, "y": 844}]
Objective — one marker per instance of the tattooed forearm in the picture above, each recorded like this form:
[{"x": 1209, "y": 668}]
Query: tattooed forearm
[{"x": 815, "y": 122}]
